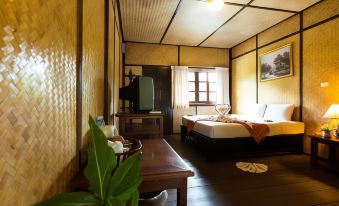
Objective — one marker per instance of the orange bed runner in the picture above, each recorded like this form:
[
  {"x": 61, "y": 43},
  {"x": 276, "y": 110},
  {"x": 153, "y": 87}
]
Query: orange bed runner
[{"x": 257, "y": 130}]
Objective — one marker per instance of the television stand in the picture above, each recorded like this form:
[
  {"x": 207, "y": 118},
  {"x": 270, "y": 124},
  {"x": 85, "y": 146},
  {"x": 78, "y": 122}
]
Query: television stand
[{"x": 141, "y": 126}]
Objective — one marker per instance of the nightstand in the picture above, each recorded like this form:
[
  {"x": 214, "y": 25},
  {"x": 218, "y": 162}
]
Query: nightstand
[{"x": 332, "y": 142}]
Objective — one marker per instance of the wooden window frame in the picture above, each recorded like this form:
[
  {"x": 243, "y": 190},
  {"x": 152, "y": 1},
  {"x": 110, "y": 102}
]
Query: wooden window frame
[{"x": 197, "y": 91}]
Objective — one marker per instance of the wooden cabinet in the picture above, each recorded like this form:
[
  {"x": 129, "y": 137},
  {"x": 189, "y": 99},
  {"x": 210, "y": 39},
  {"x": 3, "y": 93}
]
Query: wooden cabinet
[{"x": 141, "y": 125}]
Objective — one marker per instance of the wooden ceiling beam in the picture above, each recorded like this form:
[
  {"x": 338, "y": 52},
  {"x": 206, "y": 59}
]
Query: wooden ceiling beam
[
  {"x": 170, "y": 22},
  {"x": 225, "y": 22},
  {"x": 260, "y": 7}
]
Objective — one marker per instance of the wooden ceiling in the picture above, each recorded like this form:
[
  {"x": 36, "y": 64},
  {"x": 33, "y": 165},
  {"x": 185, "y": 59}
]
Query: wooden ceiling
[{"x": 191, "y": 23}]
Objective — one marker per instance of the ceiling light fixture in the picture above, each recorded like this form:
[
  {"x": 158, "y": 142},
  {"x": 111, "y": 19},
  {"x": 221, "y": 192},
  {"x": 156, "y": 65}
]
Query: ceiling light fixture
[{"x": 215, "y": 5}]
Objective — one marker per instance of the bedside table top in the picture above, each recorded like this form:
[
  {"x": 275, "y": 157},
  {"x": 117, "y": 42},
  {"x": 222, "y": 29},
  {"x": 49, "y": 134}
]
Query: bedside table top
[{"x": 320, "y": 138}]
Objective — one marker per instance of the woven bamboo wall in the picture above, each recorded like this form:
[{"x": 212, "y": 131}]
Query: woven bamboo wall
[
  {"x": 322, "y": 11},
  {"x": 193, "y": 56},
  {"x": 151, "y": 54},
  {"x": 321, "y": 64},
  {"x": 280, "y": 30},
  {"x": 168, "y": 55},
  {"x": 93, "y": 60},
  {"x": 37, "y": 99},
  {"x": 244, "y": 47},
  {"x": 283, "y": 90},
  {"x": 243, "y": 83}
]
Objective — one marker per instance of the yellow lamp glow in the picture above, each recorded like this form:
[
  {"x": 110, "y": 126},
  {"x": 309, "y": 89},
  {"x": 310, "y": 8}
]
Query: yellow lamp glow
[
  {"x": 215, "y": 5},
  {"x": 333, "y": 113}
]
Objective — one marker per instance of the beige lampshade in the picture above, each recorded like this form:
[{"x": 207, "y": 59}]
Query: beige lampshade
[{"x": 332, "y": 112}]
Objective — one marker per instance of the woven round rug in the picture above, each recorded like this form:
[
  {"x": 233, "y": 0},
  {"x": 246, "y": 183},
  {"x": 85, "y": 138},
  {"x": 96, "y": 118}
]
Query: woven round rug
[{"x": 252, "y": 167}]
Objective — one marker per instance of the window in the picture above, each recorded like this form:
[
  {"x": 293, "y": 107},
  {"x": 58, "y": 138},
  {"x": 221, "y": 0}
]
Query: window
[{"x": 202, "y": 87}]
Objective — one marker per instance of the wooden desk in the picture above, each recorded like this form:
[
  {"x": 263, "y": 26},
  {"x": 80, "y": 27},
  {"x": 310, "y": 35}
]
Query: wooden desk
[
  {"x": 332, "y": 143},
  {"x": 162, "y": 168},
  {"x": 150, "y": 125}
]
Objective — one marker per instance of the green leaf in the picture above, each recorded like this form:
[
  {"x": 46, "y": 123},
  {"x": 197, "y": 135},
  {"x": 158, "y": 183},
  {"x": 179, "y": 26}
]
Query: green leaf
[
  {"x": 126, "y": 179},
  {"x": 71, "y": 199},
  {"x": 134, "y": 201},
  {"x": 101, "y": 161}
]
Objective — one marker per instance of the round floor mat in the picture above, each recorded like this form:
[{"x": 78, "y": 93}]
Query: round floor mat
[{"x": 252, "y": 167}]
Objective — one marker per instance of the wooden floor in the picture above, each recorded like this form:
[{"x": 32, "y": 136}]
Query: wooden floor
[{"x": 289, "y": 181}]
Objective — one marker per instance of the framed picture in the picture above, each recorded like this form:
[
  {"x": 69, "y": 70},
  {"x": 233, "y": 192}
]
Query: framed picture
[{"x": 276, "y": 63}]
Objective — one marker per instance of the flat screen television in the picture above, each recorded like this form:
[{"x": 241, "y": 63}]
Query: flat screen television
[{"x": 141, "y": 93}]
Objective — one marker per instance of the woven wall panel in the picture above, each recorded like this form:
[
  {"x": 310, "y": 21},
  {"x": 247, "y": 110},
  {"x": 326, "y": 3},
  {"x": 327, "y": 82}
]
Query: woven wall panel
[
  {"x": 321, "y": 64},
  {"x": 146, "y": 20},
  {"x": 93, "y": 61},
  {"x": 243, "y": 83},
  {"x": 198, "y": 56},
  {"x": 177, "y": 117},
  {"x": 244, "y": 47},
  {"x": 151, "y": 54},
  {"x": 322, "y": 11},
  {"x": 283, "y": 90},
  {"x": 37, "y": 99},
  {"x": 280, "y": 30}
]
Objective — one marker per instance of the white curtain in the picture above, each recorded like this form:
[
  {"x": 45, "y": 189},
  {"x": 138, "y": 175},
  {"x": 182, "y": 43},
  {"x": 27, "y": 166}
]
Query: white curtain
[
  {"x": 180, "y": 87},
  {"x": 223, "y": 91}
]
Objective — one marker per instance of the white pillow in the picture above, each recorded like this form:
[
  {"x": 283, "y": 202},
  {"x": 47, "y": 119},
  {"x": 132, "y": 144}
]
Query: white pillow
[
  {"x": 256, "y": 110},
  {"x": 279, "y": 112}
]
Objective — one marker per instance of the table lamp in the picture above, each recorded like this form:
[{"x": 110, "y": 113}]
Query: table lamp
[{"x": 333, "y": 113}]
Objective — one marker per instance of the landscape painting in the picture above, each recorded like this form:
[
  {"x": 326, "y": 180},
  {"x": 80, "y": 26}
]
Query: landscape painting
[{"x": 276, "y": 64}]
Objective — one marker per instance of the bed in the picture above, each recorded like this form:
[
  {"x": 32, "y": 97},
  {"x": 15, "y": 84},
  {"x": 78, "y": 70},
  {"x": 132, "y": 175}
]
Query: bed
[{"x": 213, "y": 138}]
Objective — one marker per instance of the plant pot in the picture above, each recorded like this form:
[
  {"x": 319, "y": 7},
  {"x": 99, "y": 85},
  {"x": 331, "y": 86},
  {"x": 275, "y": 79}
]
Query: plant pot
[
  {"x": 154, "y": 199},
  {"x": 326, "y": 134}
]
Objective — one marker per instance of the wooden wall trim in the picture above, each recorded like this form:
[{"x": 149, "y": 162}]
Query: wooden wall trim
[
  {"x": 320, "y": 22},
  {"x": 106, "y": 24},
  {"x": 256, "y": 69},
  {"x": 79, "y": 84},
  {"x": 230, "y": 76},
  {"x": 244, "y": 53},
  {"x": 301, "y": 49},
  {"x": 289, "y": 35},
  {"x": 142, "y": 42},
  {"x": 261, "y": 7},
  {"x": 120, "y": 20}
]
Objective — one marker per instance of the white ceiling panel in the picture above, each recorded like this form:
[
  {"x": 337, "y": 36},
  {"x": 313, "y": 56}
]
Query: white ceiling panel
[
  {"x": 246, "y": 24},
  {"x": 294, "y": 5},
  {"x": 146, "y": 20},
  {"x": 194, "y": 22}
]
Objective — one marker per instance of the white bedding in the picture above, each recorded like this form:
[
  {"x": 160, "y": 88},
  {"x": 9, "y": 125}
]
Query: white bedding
[{"x": 231, "y": 130}]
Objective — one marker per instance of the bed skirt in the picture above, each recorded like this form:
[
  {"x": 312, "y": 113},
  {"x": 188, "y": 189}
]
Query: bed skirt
[{"x": 243, "y": 146}]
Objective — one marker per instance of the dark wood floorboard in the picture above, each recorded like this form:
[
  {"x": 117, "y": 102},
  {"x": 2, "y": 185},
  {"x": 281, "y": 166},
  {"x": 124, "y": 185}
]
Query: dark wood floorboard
[{"x": 289, "y": 181}]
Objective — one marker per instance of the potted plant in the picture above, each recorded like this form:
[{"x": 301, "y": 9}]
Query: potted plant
[
  {"x": 326, "y": 132},
  {"x": 109, "y": 185}
]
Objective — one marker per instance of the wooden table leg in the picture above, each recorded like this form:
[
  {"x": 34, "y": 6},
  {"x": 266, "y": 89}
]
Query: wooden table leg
[
  {"x": 182, "y": 193},
  {"x": 332, "y": 154},
  {"x": 314, "y": 152}
]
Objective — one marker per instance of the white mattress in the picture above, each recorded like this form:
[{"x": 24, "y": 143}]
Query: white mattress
[{"x": 231, "y": 130}]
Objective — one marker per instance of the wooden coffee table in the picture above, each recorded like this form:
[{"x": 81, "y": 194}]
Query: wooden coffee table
[
  {"x": 332, "y": 142},
  {"x": 162, "y": 168}
]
